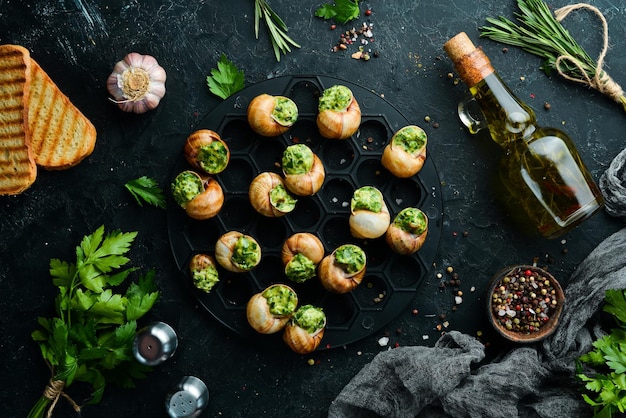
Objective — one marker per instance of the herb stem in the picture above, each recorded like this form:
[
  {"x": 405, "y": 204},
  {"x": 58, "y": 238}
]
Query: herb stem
[{"x": 276, "y": 27}]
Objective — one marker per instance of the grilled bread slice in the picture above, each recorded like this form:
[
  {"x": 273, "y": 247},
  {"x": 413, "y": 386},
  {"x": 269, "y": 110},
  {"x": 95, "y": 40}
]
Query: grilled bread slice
[
  {"x": 17, "y": 165},
  {"x": 61, "y": 136}
]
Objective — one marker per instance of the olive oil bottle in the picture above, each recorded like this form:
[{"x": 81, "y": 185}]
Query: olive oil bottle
[{"x": 540, "y": 169}]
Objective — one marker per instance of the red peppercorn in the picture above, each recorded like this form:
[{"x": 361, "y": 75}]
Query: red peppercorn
[
  {"x": 528, "y": 273},
  {"x": 333, "y": 27},
  {"x": 368, "y": 12}
]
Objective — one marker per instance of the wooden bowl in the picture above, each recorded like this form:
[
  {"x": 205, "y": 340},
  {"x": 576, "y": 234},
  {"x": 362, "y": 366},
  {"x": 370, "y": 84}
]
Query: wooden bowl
[{"x": 524, "y": 303}]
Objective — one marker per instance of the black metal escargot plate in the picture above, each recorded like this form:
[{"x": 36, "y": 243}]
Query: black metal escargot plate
[{"x": 391, "y": 280}]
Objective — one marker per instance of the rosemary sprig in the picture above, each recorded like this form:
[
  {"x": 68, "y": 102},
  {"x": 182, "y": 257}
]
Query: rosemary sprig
[
  {"x": 541, "y": 34},
  {"x": 276, "y": 28}
]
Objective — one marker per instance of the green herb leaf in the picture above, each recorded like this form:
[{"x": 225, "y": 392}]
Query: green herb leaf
[
  {"x": 141, "y": 297},
  {"x": 342, "y": 11},
  {"x": 145, "y": 189},
  {"x": 276, "y": 28},
  {"x": 226, "y": 80}
]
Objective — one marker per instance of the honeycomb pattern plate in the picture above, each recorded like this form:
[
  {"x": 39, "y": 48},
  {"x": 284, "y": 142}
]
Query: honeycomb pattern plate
[{"x": 391, "y": 281}]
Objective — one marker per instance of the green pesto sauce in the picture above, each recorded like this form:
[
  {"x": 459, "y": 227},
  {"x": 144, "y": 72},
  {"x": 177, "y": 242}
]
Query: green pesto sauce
[
  {"x": 336, "y": 98},
  {"x": 411, "y": 220},
  {"x": 246, "y": 253},
  {"x": 280, "y": 299},
  {"x": 285, "y": 111},
  {"x": 213, "y": 157},
  {"x": 204, "y": 279},
  {"x": 186, "y": 186},
  {"x": 300, "y": 268},
  {"x": 309, "y": 318},
  {"x": 281, "y": 199},
  {"x": 350, "y": 257},
  {"x": 411, "y": 139},
  {"x": 297, "y": 159},
  {"x": 367, "y": 198}
]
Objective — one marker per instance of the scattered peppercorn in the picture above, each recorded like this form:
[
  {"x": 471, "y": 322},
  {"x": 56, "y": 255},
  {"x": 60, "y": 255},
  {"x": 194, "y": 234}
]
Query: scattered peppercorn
[
  {"x": 368, "y": 12},
  {"x": 547, "y": 106}
]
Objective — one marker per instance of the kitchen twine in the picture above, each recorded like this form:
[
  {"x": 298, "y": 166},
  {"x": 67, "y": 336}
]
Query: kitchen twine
[
  {"x": 601, "y": 81},
  {"x": 53, "y": 391}
]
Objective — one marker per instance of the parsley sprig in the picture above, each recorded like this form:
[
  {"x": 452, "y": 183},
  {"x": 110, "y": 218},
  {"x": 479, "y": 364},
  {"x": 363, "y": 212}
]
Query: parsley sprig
[
  {"x": 146, "y": 189},
  {"x": 342, "y": 11},
  {"x": 608, "y": 358},
  {"x": 276, "y": 28},
  {"x": 226, "y": 79},
  {"x": 90, "y": 339}
]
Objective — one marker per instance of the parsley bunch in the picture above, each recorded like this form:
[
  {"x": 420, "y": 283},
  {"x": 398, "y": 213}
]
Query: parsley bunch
[
  {"x": 90, "y": 340},
  {"x": 608, "y": 358}
]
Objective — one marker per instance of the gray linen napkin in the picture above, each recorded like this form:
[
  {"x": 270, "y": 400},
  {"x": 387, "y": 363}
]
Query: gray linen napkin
[{"x": 530, "y": 381}]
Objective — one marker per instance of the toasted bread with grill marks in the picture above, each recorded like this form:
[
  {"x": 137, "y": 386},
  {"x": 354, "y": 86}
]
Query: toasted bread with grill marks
[
  {"x": 17, "y": 165},
  {"x": 61, "y": 136}
]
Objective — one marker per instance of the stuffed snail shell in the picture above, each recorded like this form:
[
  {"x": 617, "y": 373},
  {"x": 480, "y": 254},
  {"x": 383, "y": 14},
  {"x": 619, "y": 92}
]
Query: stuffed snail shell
[
  {"x": 202, "y": 197},
  {"x": 269, "y": 195},
  {"x": 305, "y": 330},
  {"x": 339, "y": 114},
  {"x": 271, "y": 115},
  {"x": 269, "y": 311},
  {"x": 204, "y": 150},
  {"x": 301, "y": 253},
  {"x": 303, "y": 170},
  {"x": 343, "y": 269},
  {"x": 237, "y": 252},
  {"x": 203, "y": 271},
  {"x": 408, "y": 231},
  {"x": 405, "y": 154},
  {"x": 369, "y": 216}
]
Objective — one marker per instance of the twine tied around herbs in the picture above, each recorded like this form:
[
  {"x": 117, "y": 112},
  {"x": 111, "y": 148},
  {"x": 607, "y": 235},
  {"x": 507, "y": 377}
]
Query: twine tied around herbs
[
  {"x": 53, "y": 391},
  {"x": 601, "y": 81}
]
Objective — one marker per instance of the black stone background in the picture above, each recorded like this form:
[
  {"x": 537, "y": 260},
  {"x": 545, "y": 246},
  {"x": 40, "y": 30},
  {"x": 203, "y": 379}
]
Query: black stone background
[{"x": 78, "y": 41}]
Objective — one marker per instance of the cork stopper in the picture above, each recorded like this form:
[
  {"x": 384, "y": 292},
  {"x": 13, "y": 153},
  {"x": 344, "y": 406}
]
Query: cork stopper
[{"x": 470, "y": 62}]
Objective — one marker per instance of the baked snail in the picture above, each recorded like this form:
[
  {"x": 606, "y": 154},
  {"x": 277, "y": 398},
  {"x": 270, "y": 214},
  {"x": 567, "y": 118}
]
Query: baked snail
[
  {"x": 201, "y": 196},
  {"x": 405, "y": 154},
  {"x": 407, "y": 232},
  {"x": 305, "y": 330},
  {"x": 271, "y": 115},
  {"x": 339, "y": 114},
  {"x": 303, "y": 170},
  {"x": 204, "y": 150},
  {"x": 203, "y": 271},
  {"x": 300, "y": 255},
  {"x": 269, "y": 195},
  {"x": 237, "y": 252},
  {"x": 369, "y": 216},
  {"x": 343, "y": 269},
  {"x": 268, "y": 311}
]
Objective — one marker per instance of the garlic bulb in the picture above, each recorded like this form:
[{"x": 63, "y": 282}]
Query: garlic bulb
[
  {"x": 369, "y": 216},
  {"x": 271, "y": 115},
  {"x": 405, "y": 154},
  {"x": 339, "y": 114},
  {"x": 301, "y": 253},
  {"x": 205, "y": 150},
  {"x": 343, "y": 269},
  {"x": 202, "y": 197},
  {"x": 269, "y": 311},
  {"x": 237, "y": 252},
  {"x": 303, "y": 170},
  {"x": 137, "y": 83},
  {"x": 305, "y": 330},
  {"x": 269, "y": 196},
  {"x": 408, "y": 231}
]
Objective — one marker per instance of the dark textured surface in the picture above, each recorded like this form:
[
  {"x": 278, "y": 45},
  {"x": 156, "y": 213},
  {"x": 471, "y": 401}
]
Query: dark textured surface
[{"x": 78, "y": 42}]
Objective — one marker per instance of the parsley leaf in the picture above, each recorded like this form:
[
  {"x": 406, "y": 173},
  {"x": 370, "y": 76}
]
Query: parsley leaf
[
  {"x": 226, "y": 80},
  {"x": 145, "y": 189},
  {"x": 342, "y": 11}
]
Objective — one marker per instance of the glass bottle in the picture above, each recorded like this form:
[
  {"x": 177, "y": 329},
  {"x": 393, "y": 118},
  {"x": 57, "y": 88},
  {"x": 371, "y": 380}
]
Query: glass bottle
[{"x": 541, "y": 170}]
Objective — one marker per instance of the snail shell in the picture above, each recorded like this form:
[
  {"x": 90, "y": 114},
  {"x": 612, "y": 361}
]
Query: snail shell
[
  {"x": 300, "y": 340},
  {"x": 193, "y": 150},
  {"x": 307, "y": 184},
  {"x": 368, "y": 224},
  {"x": 405, "y": 242},
  {"x": 198, "y": 263},
  {"x": 208, "y": 203},
  {"x": 335, "y": 279},
  {"x": 259, "y": 194},
  {"x": 261, "y": 115},
  {"x": 259, "y": 316},
  {"x": 224, "y": 250},
  {"x": 400, "y": 162},
  {"x": 303, "y": 243},
  {"x": 342, "y": 123}
]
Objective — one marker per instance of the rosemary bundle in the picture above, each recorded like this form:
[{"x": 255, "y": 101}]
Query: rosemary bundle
[
  {"x": 276, "y": 28},
  {"x": 541, "y": 33}
]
